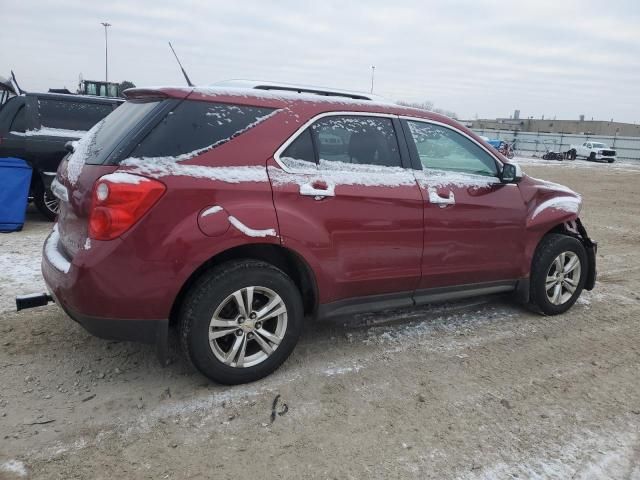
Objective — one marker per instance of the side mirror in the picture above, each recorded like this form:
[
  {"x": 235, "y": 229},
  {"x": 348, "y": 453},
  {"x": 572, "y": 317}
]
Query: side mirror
[
  {"x": 511, "y": 173},
  {"x": 70, "y": 146}
]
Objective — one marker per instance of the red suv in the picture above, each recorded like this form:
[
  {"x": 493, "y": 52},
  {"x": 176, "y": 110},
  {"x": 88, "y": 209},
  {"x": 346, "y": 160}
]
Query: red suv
[{"x": 238, "y": 212}]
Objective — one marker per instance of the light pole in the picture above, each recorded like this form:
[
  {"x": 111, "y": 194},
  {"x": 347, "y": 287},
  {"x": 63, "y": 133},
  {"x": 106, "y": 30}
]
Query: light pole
[
  {"x": 373, "y": 71},
  {"x": 106, "y": 51}
]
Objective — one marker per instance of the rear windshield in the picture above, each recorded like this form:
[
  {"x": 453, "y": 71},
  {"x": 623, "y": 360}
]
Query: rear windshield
[
  {"x": 112, "y": 130},
  {"x": 194, "y": 126}
]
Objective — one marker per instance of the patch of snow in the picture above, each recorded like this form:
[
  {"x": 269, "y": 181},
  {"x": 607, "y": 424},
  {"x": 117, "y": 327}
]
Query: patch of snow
[
  {"x": 282, "y": 95},
  {"x": 14, "y": 466},
  {"x": 140, "y": 161},
  {"x": 567, "y": 204},
  {"x": 585, "y": 455},
  {"x": 433, "y": 178},
  {"x": 82, "y": 149},
  {"x": 309, "y": 189},
  {"x": 53, "y": 255},
  {"x": 547, "y": 185},
  {"x": 341, "y": 173},
  {"x": 124, "y": 177},
  {"x": 211, "y": 210},
  {"x": 270, "y": 232},
  {"x": 20, "y": 258},
  {"x": 330, "y": 372},
  {"x": 52, "y": 132},
  {"x": 167, "y": 166},
  {"x": 87, "y": 244}
]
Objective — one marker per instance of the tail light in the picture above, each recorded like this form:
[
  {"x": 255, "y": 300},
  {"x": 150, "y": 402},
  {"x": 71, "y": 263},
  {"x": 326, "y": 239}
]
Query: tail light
[{"x": 119, "y": 201}]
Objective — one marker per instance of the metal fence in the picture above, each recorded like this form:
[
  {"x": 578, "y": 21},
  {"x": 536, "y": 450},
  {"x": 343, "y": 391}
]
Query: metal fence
[{"x": 536, "y": 144}]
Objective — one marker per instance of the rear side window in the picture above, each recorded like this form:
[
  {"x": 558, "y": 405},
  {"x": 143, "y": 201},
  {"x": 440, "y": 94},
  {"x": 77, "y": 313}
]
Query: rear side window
[
  {"x": 356, "y": 139},
  {"x": 196, "y": 126},
  {"x": 70, "y": 115},
  {"x": 109, "y": 132}
]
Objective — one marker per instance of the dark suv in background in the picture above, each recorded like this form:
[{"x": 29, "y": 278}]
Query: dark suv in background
[{"x": 36, "y": 126}]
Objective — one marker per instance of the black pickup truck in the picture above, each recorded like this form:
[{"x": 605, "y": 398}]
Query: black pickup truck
[{"x": 36, "y": 127}]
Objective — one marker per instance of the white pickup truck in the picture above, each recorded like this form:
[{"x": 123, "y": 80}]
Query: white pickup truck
[{"x": 594, "y": 151}]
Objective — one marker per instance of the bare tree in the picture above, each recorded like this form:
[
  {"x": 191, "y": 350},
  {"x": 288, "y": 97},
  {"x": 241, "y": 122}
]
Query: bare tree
[{"x": 429, "y": 106}]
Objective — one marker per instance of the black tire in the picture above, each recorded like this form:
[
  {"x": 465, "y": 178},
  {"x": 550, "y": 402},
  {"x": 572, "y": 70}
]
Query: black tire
[
  {"x": 611, "y": 161},
  {"x": 210, "y": 291},
  {"x": 548, "y": 250},
  {"x": 46, "y": 203},
  {"x": 592, "y": 156}
]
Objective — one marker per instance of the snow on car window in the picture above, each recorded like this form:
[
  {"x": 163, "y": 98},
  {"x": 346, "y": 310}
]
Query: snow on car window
[
  {"x": 194, "y": 127},
  {"x": 356, "y": 140}
]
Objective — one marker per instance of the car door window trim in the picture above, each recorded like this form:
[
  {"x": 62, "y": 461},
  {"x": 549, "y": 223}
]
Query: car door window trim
[{"x": 276, "y": 156}]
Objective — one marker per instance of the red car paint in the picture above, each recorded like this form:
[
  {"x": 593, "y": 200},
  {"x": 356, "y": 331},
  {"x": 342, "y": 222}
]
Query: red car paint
[{"x": 364, "y": 241}]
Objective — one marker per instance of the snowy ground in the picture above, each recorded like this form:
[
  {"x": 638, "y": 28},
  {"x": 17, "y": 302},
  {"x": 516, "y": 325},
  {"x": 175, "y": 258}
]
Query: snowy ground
[
  {"x": 479, "y": 389},
  {"x": 20, "y": 255}
]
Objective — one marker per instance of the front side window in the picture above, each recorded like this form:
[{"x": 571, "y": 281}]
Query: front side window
[
  {"x": 194, "y": 126},
  {"x": 442, "y": 148},
  {"x": 356, "y": 140},
  {"x": 68, "y": 115}
]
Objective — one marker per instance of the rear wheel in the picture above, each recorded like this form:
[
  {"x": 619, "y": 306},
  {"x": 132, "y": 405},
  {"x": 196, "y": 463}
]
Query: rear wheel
[
  {"x": 241, "y": 321},
  {"x": 558, "y": 273},
  {"x": 46, "y": 203},
  {"x": 611, "y": 160}
]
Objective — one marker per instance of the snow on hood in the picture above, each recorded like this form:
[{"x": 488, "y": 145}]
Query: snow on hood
[{"x": 543, "y": 196}]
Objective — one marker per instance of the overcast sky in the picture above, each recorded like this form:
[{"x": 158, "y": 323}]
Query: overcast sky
[{"x": 557, "y": 58}]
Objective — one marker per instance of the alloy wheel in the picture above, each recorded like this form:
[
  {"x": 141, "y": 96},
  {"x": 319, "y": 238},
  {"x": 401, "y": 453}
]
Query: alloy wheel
[
  {"x": 248, "y": 326},
  {"x": 563, "y": 278}
]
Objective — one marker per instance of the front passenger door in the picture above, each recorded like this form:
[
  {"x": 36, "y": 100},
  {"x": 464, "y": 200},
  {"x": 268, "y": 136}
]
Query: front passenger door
[{"x": 474, "y": 224}]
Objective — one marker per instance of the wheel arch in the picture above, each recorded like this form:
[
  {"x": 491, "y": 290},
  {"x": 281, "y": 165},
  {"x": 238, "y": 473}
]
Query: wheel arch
[
  {"x": 287, "y": 260},
  {"x": 572, "y": 228}
]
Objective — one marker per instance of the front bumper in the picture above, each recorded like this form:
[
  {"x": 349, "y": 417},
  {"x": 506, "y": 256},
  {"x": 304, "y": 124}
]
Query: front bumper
[{"x": 592, "y": 249}]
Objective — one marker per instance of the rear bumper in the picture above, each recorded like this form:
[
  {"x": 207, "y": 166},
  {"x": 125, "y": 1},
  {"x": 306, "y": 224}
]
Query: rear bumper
[{"x": 101, "y": 308}]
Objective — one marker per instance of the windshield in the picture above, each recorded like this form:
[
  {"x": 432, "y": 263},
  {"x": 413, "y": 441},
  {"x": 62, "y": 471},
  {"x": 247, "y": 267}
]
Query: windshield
[{"x": 598, "y": 145}]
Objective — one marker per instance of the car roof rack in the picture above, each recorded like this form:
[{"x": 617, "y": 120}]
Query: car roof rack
[{"x": 288, "y": 87}]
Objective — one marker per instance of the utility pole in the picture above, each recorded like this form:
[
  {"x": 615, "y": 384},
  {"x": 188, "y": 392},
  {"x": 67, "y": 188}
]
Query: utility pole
[
  {"x": 106, "y": 51},
  {"x": 373, "y": 71}
]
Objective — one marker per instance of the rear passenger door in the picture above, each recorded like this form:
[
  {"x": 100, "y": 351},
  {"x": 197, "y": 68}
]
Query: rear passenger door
[{"x": 347, "y": 200}]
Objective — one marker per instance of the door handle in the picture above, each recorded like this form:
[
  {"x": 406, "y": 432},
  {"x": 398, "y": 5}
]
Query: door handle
[
  {"x": 317, "y": 189},
  {"x": 436, "y": 199}
]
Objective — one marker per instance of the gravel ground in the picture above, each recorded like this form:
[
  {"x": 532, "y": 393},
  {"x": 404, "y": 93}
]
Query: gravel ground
[{"x": 472, "y": 390}]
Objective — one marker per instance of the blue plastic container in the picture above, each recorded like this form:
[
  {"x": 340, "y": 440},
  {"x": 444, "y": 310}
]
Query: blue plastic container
[{"x": 15, "y": 177}]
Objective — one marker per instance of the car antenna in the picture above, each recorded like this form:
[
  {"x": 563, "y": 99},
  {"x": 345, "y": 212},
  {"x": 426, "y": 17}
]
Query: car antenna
[
  {"x": 15, "y": 83},
  {"x": 186, "y": 77}
]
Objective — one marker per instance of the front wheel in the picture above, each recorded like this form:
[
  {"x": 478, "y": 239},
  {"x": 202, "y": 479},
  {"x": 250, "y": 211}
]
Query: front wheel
[
  {"x": 241, "y": 321},
  {"x": 558, "y": 273}
]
